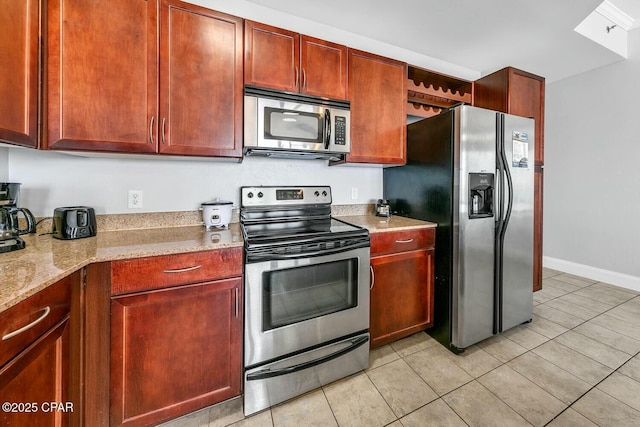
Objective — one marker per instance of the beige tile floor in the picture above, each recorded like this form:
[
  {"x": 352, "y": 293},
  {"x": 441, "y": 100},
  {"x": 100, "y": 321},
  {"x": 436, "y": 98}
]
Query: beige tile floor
[{"x": 576, "y": 364}]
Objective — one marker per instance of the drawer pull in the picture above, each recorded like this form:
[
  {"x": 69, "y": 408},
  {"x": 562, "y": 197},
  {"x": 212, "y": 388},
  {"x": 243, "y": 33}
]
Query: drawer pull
[
  {"x": 183, "y": 270},
  {"x": 404, "y": 241},
  {"x": 10, "y": 335},
  {"x": 373, "y": 278}
]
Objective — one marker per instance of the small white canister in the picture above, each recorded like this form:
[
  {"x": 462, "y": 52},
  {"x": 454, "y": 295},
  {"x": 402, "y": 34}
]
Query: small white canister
[{"x": 217, "y": 213}]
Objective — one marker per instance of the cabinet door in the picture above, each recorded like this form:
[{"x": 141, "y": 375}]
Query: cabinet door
[
  {"x": 102, "y": 87},
  {"x": 401, "y": 296},
  {"x": 272, "y": 57},
  {"x": 378, "y": 95},
  {"x": 19, "y": 50},
  {"x": 201, "y": 81},
  {"x": 175, "y": 350},
  {"x": 37, "y": 377},
  {"x": 324, "y": 68}
]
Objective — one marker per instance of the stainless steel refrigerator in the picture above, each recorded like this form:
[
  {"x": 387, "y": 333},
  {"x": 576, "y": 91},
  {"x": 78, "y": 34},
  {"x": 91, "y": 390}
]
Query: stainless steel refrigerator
[{"x": 470, "y": 170}]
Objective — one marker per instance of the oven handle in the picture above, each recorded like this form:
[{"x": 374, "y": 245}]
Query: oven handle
[
  {"x": 261, "y": 375},
  {"x": 273, "y": 257}
]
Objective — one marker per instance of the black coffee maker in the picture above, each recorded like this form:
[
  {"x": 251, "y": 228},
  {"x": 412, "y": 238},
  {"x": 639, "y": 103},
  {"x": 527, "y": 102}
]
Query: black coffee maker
[{"x": 10, "y": 218}]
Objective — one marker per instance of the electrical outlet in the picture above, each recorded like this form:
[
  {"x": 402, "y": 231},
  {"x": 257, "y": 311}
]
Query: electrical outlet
[
  {"x": 135, "y": 199},
  {"x": 354, "y": 193}
]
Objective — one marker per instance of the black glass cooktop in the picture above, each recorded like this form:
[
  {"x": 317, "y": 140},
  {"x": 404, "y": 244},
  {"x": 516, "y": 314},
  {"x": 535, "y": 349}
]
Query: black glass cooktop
[{"x": 274, "y": 232}]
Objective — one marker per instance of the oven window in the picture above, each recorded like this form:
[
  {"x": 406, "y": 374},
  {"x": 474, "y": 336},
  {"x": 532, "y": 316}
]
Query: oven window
[
  {"x": 292, "y": 125},
  {"x": 301, "y": 293}
]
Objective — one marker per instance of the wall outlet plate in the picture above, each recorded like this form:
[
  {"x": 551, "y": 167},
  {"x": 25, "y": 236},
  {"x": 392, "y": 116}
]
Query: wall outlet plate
[{"x": 135, "y": 199}]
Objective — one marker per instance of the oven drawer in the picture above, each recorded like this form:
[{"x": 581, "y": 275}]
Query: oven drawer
[
  {"x": 273, "y": 383},
  {"x": 387, "y": 242},
  {"x": 139, "y": 274}
]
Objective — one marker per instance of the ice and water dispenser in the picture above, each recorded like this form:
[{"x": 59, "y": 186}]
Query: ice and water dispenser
[{"x": 480, "y": 195}]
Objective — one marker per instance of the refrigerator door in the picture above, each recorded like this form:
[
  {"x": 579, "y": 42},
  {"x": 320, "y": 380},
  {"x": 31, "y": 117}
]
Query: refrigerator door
[
  {"x": 473, "y": 308},
  {"x": 517, "y": 244}
]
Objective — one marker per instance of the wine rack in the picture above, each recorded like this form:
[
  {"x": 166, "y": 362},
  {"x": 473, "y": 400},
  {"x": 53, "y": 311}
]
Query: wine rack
[{"x": 428, "y": 92}]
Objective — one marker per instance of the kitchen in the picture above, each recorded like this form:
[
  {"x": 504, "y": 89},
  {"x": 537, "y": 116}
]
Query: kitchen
[{"x": 563, "y": 232}]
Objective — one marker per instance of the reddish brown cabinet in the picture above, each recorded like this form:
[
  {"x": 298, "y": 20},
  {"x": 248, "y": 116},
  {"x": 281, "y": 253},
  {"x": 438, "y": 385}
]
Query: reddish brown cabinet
[
  {"x": 177, "y": 346},
  {"x": 20, "y": 72},
  {"x": 285, "y": 60},
  {"x": 521, "y": 93},
  {"x": 36, "y": 361},
  {"x": 402, "y": 280},
  {"x": 102, "y": 75},
  {"x": 378, "y": 96},
  {"x": 114, "y": 85},
  {"x": 200, "y": 82}
]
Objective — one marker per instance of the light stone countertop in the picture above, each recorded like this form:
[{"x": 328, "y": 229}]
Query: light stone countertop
[
  {"x": 46, "y": 260},
  {"x": 376, "y": 224}
]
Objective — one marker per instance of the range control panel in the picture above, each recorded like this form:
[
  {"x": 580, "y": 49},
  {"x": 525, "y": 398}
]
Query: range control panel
[{"x": 285, "y": 196}]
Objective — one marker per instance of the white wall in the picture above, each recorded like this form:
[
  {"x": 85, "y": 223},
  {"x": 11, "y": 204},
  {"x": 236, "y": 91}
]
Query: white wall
[
  {"x": 51, "y": 180},
  {"x": 4, "y": 164},
  {"x": 592, "y": 172}
]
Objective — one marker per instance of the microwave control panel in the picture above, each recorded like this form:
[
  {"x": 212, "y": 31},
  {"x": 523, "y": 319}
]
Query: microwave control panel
[{"x": 341, "y": 130}]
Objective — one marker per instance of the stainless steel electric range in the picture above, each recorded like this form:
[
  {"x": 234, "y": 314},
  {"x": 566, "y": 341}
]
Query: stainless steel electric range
[{"x": 306, "y": 279}]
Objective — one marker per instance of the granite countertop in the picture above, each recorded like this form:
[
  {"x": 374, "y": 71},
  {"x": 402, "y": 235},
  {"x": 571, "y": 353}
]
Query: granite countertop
[
  {"x": 376, "y": 224},
  {"x": 46, "y": 260}
]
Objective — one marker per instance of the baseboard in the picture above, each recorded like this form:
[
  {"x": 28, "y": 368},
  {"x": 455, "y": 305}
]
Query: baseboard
[{"x": 594, "y": 273}]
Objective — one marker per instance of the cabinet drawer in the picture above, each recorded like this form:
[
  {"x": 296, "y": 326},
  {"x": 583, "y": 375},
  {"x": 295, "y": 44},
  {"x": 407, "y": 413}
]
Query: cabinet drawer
[
  {"x": 23, "y": 323},
  {"x": 168, "y": 270},
  {"x": 387, "y": 242}
]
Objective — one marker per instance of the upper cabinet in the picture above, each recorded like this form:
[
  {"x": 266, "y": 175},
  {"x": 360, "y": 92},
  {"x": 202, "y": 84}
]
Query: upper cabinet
[
  {"x": 200, "y": 82},
  {"x": 288, "y": 61},
  {"x": 516, "y": 92},
  {"x": 378, "y": 95},
  {"x": 102, "y": 75},
  {"x": 113, "y": 84},
  {"x": 19, "y": 74}
]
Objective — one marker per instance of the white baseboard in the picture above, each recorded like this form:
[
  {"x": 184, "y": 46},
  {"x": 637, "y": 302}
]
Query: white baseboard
[{"x": 594, "y": 273}]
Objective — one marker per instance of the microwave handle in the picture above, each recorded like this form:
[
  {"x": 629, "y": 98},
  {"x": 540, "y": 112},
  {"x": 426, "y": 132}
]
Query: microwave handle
[{"x": 327, "y": 128}]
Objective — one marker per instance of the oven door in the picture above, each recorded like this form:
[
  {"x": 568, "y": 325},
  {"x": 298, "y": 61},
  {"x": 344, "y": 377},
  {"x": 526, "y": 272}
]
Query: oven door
[{"x": 295, "y": 304}]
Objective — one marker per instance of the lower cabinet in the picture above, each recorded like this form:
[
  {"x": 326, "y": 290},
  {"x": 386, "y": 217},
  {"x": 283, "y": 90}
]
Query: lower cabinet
[
  {"x": 175, "y": 348},
  {"x": 34, "y": 385},
  {"x": 35, "y": 359},
  {"x": 402, "y": 283},
  {"x": 174, "y": 351}
]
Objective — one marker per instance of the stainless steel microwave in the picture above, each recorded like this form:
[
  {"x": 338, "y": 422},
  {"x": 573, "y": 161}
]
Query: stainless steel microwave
[{"x": 288, "y": 125}]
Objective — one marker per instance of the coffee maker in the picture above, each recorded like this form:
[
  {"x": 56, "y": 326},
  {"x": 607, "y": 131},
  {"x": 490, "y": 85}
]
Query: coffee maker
[{"x": 10, "y": 218}]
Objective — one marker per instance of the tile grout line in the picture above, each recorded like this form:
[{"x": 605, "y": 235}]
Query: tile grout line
[
  {"x": 595, "y": 386},
  {"x": 571, "y": 329}
]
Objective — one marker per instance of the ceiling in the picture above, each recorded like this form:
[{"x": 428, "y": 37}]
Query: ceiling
[{"x": 537, "y": 36}]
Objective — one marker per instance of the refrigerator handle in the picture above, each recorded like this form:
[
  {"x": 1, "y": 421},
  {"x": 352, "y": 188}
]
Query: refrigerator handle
[
  {"x": 506, "y": 184},
  {"x": 497, "y": 256}
]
